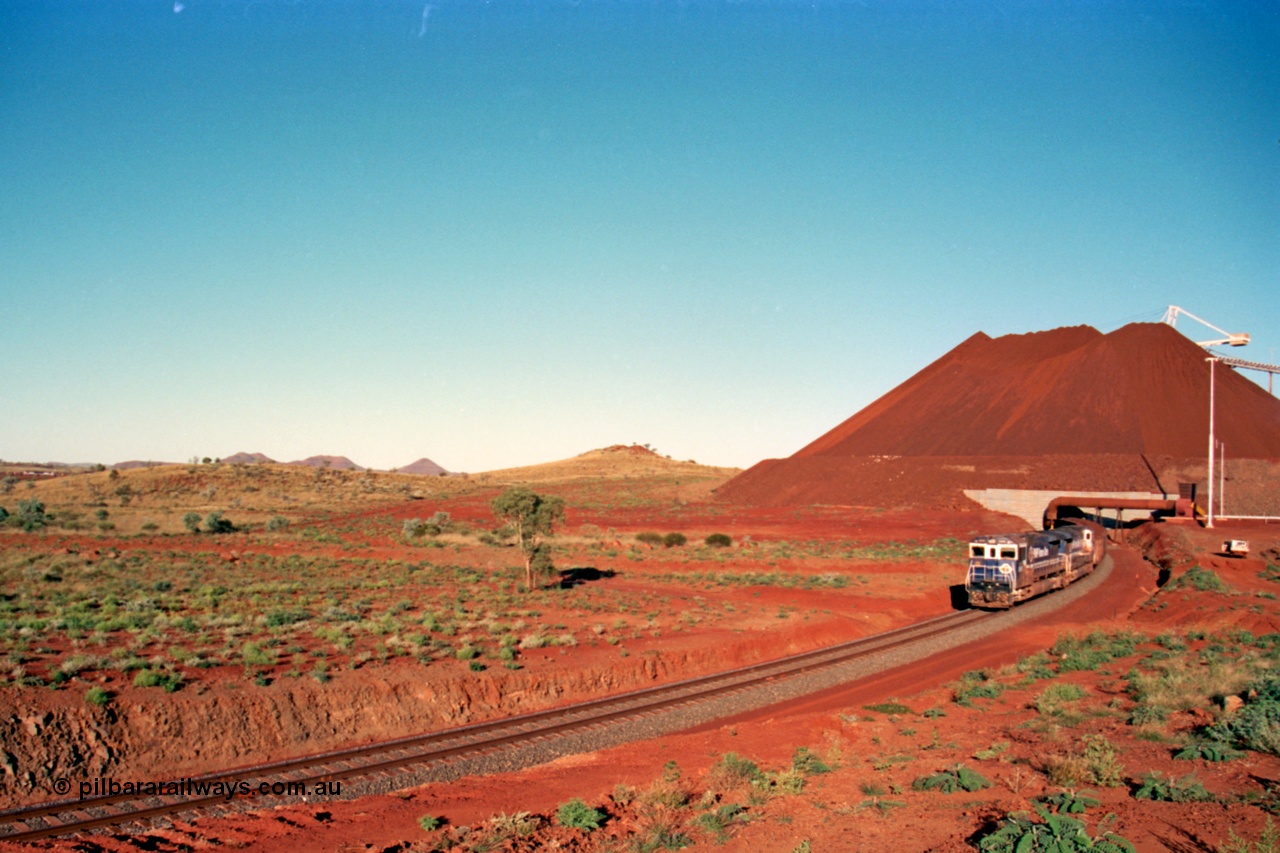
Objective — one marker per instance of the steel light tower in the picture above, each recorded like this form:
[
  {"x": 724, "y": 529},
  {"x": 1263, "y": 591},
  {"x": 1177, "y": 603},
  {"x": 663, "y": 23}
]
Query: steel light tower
[{"x": 1212, "y": 362}]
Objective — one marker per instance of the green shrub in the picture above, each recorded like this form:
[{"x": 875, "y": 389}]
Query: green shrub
[
  {"x": 192, "y": 521},
  {"x": 97, "y": 696},
  {"x": 1053, "y": 699},
  {"x": 674, "y": 540},
  {"x": 804, "y": 761},
  {"x": 576, "y": 814},
  {"x": 732, "y": 770},
  {"x": 1155, "y": 786},
  {"x": 717, "y": 822},
  {"x": 1019, "y": 834},
  {"x": 430, "y": 823},
  {"x": 1144, "y": 715},
  {"x": 215, "y": 523},
  {"x": 170, "y": 681},
  {"x": 1204, "y": 580},
  {"x": 1069, "y": 802},
  {"x": 1036, "y": 666},
  {"x": 891, "y": 708},
  {"x": 277, "y": 522},
  {"x": 958, "y": 778},
  {"x": 277, "y": 618},
  {"x": 1092, "y": 651},
  {"x": 254, "y": 655},
  {"x": 31, "y": 515},
  {"x": 976, "y": 685},
  {"x": 1209, "y": 751},
  {"x": 718, "y": 540},
  {"x": 1256, "y": 726},
  {"x": 1100, "y": 759},
  {"x": 649, "y": 537},
  {"x": 996, "y": 750}
]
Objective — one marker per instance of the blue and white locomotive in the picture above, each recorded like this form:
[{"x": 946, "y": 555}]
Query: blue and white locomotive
[{"x": 1008, "y": 568}]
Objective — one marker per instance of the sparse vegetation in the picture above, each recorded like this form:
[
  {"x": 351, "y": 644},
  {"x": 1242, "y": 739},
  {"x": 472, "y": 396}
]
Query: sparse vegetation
[
  {"x": 1156, "y": 786},
  {"x": 1197, "y": 578},
  {"x": 957, "y": 778},
  {"x": 1018, "y": 833},
  {"x": 576, "y": 814}
]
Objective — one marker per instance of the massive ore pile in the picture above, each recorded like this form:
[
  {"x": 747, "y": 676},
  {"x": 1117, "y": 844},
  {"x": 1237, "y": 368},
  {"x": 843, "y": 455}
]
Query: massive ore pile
[{"x": 1069, "y": 408}]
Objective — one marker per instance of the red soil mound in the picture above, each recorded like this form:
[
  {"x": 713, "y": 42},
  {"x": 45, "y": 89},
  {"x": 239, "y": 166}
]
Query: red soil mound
[
  {"x": 1141, "y": 389},
  {"x": 981, "y": 415}
]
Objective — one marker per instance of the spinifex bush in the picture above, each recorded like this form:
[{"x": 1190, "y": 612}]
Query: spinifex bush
[
  {"x": 1101, "y": 761},
  {"x": 1054, "y": 699},
  {"x": 732, "y": 770},
  {"x": 976, "y": 685},
  {"x": 1197, "y": 578},
  {"x": 1092, "y": 651},
  {"x": 804, "y": 761},
  {"x": 718, "y": 540}
]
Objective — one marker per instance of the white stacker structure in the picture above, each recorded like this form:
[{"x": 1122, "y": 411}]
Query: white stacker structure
[{"x": 1232, "y": 339}]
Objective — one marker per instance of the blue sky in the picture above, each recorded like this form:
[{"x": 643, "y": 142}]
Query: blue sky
[{"x": 509, "y": 232}]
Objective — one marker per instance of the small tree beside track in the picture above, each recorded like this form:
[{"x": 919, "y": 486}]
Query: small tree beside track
[{"x": 532, "y": 517}]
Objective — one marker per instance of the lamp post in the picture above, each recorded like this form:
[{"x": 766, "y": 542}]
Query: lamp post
[{"x": 1212, "y": 362}]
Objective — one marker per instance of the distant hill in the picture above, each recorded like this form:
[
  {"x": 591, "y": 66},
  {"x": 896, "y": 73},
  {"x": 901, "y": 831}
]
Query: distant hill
[
  {"x": 243, "y": 458},
  {"x": 333, "y": 463},
  {"x": 137, "y": 463},
  {"x": 423, "y": 466},
  {"x": 615, "y": 461}
]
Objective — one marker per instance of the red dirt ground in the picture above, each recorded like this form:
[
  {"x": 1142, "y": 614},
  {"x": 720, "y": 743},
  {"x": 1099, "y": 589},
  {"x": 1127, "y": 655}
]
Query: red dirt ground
[{"x": 830, "y": 813}]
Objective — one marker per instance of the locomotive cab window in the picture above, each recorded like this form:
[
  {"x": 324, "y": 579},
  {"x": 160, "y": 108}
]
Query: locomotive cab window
[
  {"x": 977, "y": 551},
  {"x": 1008, "y": 553}
]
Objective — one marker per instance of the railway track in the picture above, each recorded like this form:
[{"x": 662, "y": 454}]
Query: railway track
[{"x": 306, "y": 774}]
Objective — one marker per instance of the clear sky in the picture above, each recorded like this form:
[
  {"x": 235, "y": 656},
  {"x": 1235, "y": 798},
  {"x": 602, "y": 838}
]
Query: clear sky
[{"x": 501, "y": 233}]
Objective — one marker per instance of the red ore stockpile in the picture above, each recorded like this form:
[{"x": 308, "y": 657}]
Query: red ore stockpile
[{"x": 1018, "y": 406}]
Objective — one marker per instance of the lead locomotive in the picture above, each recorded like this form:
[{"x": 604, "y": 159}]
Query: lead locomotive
[{"x": 1007, "y": 568}]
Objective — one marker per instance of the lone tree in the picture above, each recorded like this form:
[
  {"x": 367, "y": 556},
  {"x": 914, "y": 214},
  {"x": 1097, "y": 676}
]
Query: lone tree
[{"x": 532, "y": 517}]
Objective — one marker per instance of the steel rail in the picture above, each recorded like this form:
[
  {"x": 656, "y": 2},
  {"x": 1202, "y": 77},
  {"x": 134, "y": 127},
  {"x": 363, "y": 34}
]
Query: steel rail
[{"x": 70, "y": 816}]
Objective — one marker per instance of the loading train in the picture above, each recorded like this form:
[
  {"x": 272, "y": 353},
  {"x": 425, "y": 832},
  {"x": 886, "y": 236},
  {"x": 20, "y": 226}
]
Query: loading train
[{"x": 1005, "y": 569}]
